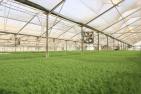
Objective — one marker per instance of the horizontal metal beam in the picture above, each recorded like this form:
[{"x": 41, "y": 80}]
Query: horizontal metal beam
[
  {"x": 75, "y": 35},
  {"x": 50, "y": 28},
  {"x": 27, "y": 23},
  {"x": 134, "y": 39},
  {"x": 122, "y": 19},
  {"x": 105, "y": 11},
  {"x": 65, "y": 31},
  {"x": 19, "y": 20},
  {"x": 129, "y": 36},
  {"x": 37, "y": 6},
  {"x": 31, "y": 23},
  {"x": 126, "y": 26},
  {"x": 57, "y": 5},
  {"x": 127, "y": 31},
  {"x": 34, "y": 36}
]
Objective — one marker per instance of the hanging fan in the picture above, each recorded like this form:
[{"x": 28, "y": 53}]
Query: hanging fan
[{"x": 88, "y": 37}]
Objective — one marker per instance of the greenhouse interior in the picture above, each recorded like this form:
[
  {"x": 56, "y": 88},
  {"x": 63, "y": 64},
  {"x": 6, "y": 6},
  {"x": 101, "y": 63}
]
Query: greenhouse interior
[{"x": 70, "y": 46}]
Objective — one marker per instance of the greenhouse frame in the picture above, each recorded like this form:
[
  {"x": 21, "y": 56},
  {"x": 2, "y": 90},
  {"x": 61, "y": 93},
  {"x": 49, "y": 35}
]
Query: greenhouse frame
[
  {"x": 35, "y": 25},
  {"x": 70, "y": 46}
]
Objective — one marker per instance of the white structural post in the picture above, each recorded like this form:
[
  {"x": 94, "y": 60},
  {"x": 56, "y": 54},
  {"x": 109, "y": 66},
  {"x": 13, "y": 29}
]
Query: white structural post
[
  {"x": 119, "y": 45},
  {"x": 123, "y": 46},
  {"x": 98, "y": 41},
  {"x": 54, "y": 44},
  {"x": 66, "y": 45},
  {"x": 15, "y": 42},
  {"x": 107, "y": 43},
  {"x": 82, "y": 40},
  {"x": 93, "y": 40},
  {"x": 47, "y": 54},
  {"x": 113, "y": 44},
  {"x": 75, "y": 46},
  {"x": 37, "y": 44}
]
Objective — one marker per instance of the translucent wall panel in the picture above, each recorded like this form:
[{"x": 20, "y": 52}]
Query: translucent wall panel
[
  {"x": 32, "y": 30},
  {"x": 13, "y": 26}
]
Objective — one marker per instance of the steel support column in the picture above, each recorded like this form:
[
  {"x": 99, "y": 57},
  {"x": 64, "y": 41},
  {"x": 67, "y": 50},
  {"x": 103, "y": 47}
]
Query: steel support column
[
  {"x": 82, "y": 40},
  {"x": 113, "y": 44},
  {"x": 123, "y": 46},
  {"x": 75, "y": 45},
  {"x": 118, "y": 45},
  {"x": 47, "y": 19},
  {"x": 15, "y": 42},
  {"x": 107, "y": 43},
  {"x": 93, "y": 40},
  {"x": 32, "y": 4},
  {"x": 54, "y": 44},
  {"x": 98, "y": 41},
  {"x": 37, "y": 44},
  {"x": 66, "y": 45}
]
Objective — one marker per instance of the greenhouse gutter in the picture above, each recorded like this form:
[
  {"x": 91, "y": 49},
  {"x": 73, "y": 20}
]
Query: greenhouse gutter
[{"x": 37, "y": 6}]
